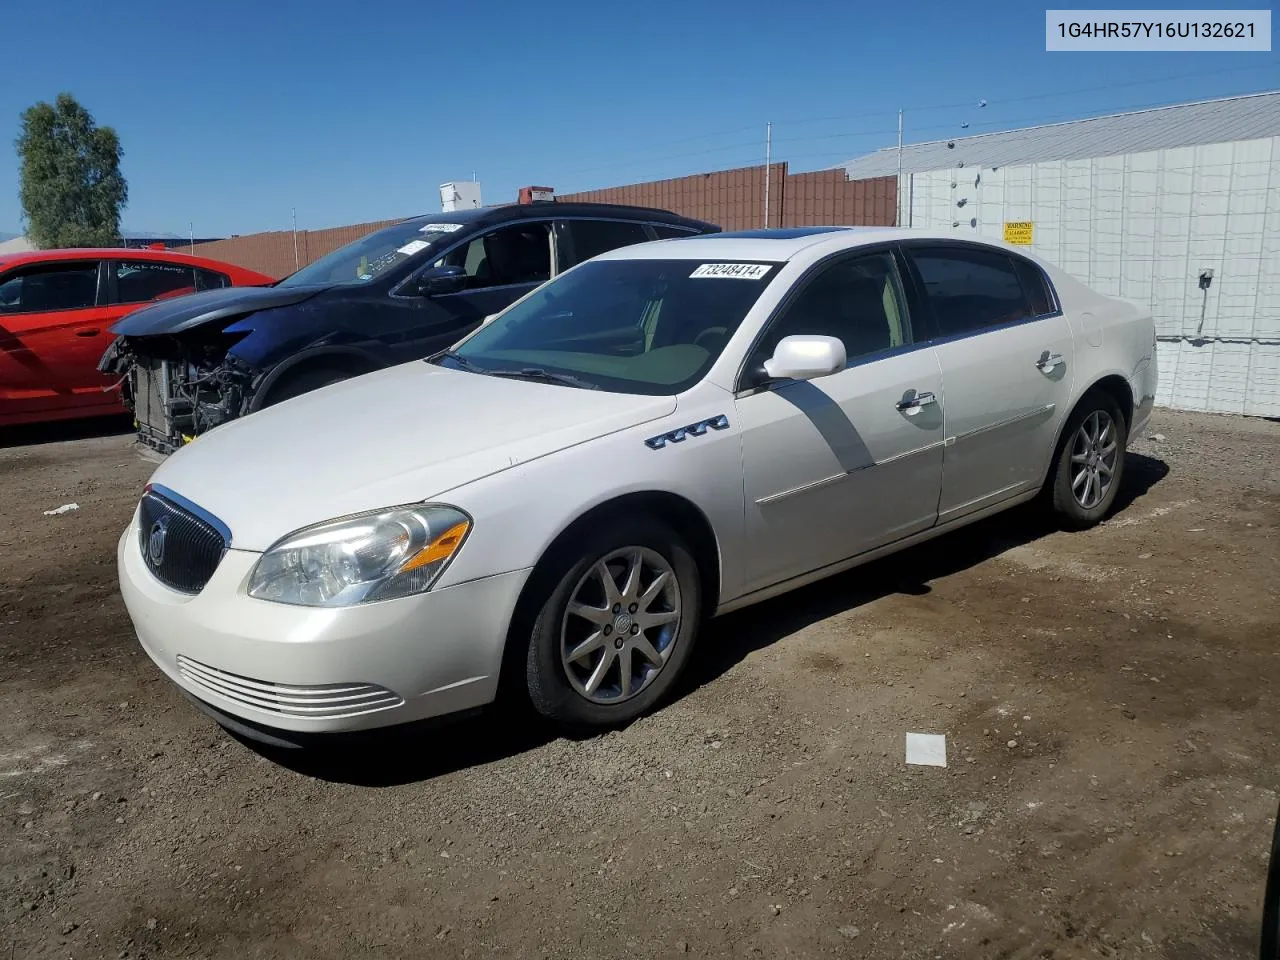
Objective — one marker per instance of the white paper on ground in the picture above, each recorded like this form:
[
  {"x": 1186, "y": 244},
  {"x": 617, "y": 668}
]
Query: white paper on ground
[
  {"x": 927, "y": 749},
  {"x": 65, "y": 508}
]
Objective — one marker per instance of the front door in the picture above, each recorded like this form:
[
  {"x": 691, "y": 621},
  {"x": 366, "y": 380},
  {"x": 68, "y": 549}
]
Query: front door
[
  {"x": 501, "y": 265},
  {"x": 1007, "y": 358},
  {"x": 839, "y": 465},
  {"x": 52, "y": 334}
]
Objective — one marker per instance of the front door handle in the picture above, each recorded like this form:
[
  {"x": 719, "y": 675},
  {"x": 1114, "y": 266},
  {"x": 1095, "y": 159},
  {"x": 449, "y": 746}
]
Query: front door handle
[
  {"x": 913, "y": 403},
  {"x": 88, "y": 333},
  {"x": 1048, "y": 361}
]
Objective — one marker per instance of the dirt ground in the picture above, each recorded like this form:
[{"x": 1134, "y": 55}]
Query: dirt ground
[{"x": 1107, "y": 698}]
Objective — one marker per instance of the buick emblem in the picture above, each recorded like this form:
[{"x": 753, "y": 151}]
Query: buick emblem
[{"x": 155, "y": 541}]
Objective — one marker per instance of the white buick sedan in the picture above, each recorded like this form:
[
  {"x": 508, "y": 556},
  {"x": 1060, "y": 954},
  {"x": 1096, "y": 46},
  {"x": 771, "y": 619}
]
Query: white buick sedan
[{"x": 662, "y": 434}]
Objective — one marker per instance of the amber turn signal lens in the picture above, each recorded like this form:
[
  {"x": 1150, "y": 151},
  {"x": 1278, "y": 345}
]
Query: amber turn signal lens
[{"x": 441, "y": 548}]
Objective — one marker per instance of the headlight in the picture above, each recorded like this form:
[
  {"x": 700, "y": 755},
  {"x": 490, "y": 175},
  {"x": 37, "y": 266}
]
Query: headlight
[{"x": 372, "y": 556}]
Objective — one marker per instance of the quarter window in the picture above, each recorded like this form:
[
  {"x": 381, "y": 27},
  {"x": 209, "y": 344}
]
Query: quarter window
[
  {"x": 517, "y": 254},
  {"x": 59, "y": 286},
  {"x": 971, "y": 289},
  {"x": 859, "y": 301},
  {"x": 592, "y": 237},
  {"x": 667, "y": 232}
]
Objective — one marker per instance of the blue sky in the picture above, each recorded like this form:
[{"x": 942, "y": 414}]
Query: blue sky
[{"x": 233, "y": 113}]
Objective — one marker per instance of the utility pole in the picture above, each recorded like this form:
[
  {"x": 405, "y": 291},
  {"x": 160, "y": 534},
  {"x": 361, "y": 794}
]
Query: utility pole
[
  {"x": 768, "y": 168},
  {"x": 191, "y": 234},
  {"x": 898, "y": 216},
  {"x": 296, "y": 263}
]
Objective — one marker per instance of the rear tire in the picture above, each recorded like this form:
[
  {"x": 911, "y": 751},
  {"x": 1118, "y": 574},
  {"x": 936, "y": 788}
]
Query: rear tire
[
  {"x": 1089, "y": 464},
  {"x": 603, "y": 652},
  {"x": 303, "y": 381}
]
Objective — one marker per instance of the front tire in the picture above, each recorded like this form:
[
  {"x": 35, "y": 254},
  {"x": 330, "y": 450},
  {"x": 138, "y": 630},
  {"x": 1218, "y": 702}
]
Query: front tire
[
  {"x": 1089, "y": 463},
  {"x": 616, "y": 626}
]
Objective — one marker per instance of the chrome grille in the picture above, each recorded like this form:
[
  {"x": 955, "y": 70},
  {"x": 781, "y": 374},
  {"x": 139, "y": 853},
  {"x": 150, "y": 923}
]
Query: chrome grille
[
  {"x": 181, "y": 548},
  {"x": 322, "y": 702}
]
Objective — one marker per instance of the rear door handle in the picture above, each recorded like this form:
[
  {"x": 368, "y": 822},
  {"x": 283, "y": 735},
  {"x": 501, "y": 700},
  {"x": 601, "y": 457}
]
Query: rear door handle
[
  {"x": 87, "y": 333},
  {"x": 913, "y": 403},
  {"x": 1048, "y": 361}
]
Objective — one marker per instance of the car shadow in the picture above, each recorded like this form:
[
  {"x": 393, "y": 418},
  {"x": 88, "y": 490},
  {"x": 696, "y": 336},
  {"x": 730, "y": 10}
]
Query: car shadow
[
  {"x": 437, "y": 747},
  {"x": 60, "y": 431}
]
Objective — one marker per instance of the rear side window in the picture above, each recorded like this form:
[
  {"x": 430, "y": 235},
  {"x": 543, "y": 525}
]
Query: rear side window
[
  {"x": 211, "y": 280},
  {"x": 50, "y": 286},
  {"x": 592, "y": 237},
  {"x": 970, "y": 289},
  {"x": 1036, "y": 287},
  {"x": 667, "y": 232},
  {"x": 141, "y": 280}
]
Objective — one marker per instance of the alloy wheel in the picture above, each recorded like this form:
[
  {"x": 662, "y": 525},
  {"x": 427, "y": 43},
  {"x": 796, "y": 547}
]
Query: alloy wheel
[
  {"x": 620, "y": 625},
  {"x": 1093, "y": 459}
]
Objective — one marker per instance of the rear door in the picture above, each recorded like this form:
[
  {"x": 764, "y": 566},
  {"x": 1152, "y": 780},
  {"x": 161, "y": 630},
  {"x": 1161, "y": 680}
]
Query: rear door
[
  {"x": 53, "y": 330},
  {"x": 581, "y": 239},
  {"x": 1007, "y": 359}
]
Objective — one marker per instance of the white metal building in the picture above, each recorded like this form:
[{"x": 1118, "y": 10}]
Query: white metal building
[{"x": 1139, "y": 205}]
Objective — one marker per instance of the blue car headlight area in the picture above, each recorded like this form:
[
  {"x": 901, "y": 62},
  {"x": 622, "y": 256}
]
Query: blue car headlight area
[{"x": 373, "y": 556}]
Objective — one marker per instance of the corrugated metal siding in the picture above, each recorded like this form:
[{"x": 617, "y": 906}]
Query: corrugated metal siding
[
  {"x": 1142, "y": 226},
  {"x": 734, "y": 199},
  {"x": 1181, "y": 125}
]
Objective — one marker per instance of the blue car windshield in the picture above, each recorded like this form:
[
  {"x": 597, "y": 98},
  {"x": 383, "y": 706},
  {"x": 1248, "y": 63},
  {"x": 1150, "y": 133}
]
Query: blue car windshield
[
  {"x": 628, "y": 326},
  {"x": 371, "y": 256}
]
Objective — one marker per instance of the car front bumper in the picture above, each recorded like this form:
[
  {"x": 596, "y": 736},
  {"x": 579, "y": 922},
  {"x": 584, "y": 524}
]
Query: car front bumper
[{"x": 314, "y": 670}]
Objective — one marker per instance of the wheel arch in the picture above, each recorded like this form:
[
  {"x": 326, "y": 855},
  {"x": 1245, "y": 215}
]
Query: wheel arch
[
  {"x": 350, "y": 360},
  {"x": 679, "y": 512},
  {"x": 1112, "y": 385}
]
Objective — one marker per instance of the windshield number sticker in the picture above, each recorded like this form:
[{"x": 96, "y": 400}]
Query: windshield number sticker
[
  {"x": 412, "y": 247},
  {"x": 732, "y": 271},
  {"x": 440, "y": 228}
]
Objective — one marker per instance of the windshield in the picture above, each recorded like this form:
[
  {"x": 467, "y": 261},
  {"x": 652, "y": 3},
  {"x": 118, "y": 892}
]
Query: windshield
[
  {"x": 370, "y": 256},
  {"x": 628, "y": 326}
]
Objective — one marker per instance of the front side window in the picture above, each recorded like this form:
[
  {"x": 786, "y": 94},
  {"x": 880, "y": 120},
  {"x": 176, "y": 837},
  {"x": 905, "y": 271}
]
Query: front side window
[
  {"x": 590, "y": 238},
  {"x": 372, "y": 256},
  {"x": 859, "y": 301},
  {"x": 630, "y": 326},
  {"x": 520, "y": 253},
  {"x": 970, "y": 289},
  {"x": 142, "y": 280},
  {"x": 57, "y": 286}
]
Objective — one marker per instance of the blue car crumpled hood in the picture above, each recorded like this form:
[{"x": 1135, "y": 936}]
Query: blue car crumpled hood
[{"x": 197, "y": 309}]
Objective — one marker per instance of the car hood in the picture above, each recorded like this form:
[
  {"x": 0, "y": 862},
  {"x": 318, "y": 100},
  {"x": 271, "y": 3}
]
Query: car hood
[
  {"x": 401, "y": 435},
  {"x": 196, "y": 309}
]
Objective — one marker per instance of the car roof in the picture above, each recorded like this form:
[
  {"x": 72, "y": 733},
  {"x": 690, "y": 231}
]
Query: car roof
[
  {"x": 487, "y": 216},
  {"x": 780, "y": 245},
  {"x": 118, "y": 253}
]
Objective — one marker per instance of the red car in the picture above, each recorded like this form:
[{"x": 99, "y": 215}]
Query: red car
[{"x": 55, "y": 310}]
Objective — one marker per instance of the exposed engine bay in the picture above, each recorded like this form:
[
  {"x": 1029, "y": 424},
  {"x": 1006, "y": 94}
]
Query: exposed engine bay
[{"x": 182, "y": 385}]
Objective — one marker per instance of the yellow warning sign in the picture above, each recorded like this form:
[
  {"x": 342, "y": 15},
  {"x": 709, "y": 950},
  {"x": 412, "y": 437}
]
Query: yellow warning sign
[{"x": 1018, "y": 231}]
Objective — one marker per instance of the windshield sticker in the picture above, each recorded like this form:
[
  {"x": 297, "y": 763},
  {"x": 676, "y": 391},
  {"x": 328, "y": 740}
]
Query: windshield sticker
[
  {"x": 440, "y": 228},
  {"x": 412, "y": 247},
  {"x": 733, "y": 271}
]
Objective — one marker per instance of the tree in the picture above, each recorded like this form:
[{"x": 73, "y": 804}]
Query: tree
[{"x": 71, "y": 188}]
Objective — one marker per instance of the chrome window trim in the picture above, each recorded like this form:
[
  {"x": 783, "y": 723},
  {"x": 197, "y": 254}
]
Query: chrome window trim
[{"x": 907, "y": 246}]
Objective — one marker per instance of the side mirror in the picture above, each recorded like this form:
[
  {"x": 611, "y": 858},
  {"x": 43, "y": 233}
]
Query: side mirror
[
  {"x": 435, "y": 281},
  {"x": 806, "y": 358}
]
